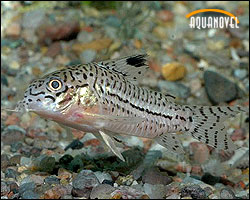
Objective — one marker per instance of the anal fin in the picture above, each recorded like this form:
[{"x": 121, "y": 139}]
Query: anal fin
[
  {"x": 171, "y": 142},
  {"x": 111, "y": 144}
]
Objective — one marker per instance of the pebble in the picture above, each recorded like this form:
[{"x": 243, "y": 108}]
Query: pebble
[
  {"x": 210, "y": 179},
  {"x": 13, "y": 30},
  {"x": 195, "y": 85},
  {"x": 176, "y": 89},
  {"x": 11, "y": 173},
  {"x": 84, "y": 37},
  {"x": 125, "y": 180},
  {"x": 52, "y": 180},
  {"x": 165, "y": 15},
  {"x": 13, "y": 187},
  {"x": 239, "y": 134},
  {"x": 37, "y": 179},
  {"x": 88, "y": 56},
  {"x": 56, "y": 192},
  {"x": 227, "y": 193},
  {"x": 97, "y": 45},
  {"x": 26, "y": 187},
  {"x": 200, "y": 152},
  {"x": 173, "y": 71},
  {"x": 219, "y": 89},
  {"x": 113, "y": 21},
  {"x": 155, "y": 191},
  {"x": 76, "y": 164},
  {"x": 4, "y": 161},
  {"x": 14, "y": 147},
  {"x": 5, "y": 189},
  {"x": 102, "y": 191},
  {"x": 103, "y": 176},
  {"x": 33, "y": 19},
  {"x": 30, "y": 195},
  {"x": 65, "y": 160},
  {"x": 160, "y": 32},
  {"x": 15, "y": 160},
  {"x": 56, "y": 32},
  {"x": 54, "y": 50},
  {"x": 83, "y": 183},
  {"x": 46, "y": 163},
  {"x": 194, "y": 191},
  {"x": 154, "y": 176},
  {"x": 24, "y": 161},
  {"x": 240, "y": 73}
]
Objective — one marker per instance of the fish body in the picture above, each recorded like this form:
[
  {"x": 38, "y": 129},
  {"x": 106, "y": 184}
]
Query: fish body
[{"x": 103, "y": 98}]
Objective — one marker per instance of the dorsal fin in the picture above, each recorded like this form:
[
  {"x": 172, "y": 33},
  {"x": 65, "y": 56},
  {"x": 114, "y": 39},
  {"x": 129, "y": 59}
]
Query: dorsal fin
[{"x": 131, "y": 67}]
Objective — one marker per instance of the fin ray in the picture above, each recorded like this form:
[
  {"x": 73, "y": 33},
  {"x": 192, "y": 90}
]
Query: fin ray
[
  {"x": 111, "y": 144},
  {"x": 131, "y": 67},
  {"x": 208, "y": 127}
]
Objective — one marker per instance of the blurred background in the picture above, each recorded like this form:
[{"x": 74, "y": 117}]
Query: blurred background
[{"x": 199, "y": 67}]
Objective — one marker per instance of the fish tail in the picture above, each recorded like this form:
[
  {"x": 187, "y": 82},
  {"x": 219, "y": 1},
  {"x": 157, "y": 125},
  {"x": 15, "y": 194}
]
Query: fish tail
[{"x": 207, "y": 125}]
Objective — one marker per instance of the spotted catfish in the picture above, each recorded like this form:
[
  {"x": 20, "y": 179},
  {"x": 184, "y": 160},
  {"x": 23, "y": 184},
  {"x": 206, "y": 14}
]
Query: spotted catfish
[{"x": 104, "y": 99}]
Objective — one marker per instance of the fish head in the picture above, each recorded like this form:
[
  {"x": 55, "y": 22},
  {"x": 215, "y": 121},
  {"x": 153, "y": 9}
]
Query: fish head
[{"x": 48, "y": 95}]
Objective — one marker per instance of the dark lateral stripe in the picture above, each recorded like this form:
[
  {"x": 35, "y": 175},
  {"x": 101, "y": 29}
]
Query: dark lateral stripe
[
  {"x": 35, "y": 94},
  {"x": 139, "y": 108},
  {"x": 50, "y": 97}
]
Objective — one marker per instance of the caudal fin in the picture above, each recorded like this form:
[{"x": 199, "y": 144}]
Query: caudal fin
[{"x": 207, "y": 125}]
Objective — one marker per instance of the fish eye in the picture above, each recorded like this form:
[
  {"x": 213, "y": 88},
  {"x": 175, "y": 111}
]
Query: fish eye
[{"x": 55, "y": 84}]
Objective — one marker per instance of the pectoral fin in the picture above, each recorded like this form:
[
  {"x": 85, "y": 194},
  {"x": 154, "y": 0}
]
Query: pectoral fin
[{"x": 111, "y": 144}]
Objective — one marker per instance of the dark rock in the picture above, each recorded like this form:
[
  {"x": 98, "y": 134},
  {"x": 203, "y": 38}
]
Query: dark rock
[
  {"x": 15, "y": 160},
  {"x": 52, "y": 180},
  {"x": 154, "y": 176},
  {"x": 63, "y": 31},
  {"x": 75, "y": 144},
  {"x": 109, "y": 182},
  {"x": 218, "y": 88},
  {"x": 65, "y": 160},
  {"x": 83, "y": 183},
  {"x": 194, "y": 191},
  {"x": 227, "y": 193},
  {"x": 76, "y": 164},
  {"x": 47, "y": 164},
  {"x": 210, "y": 179}
]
